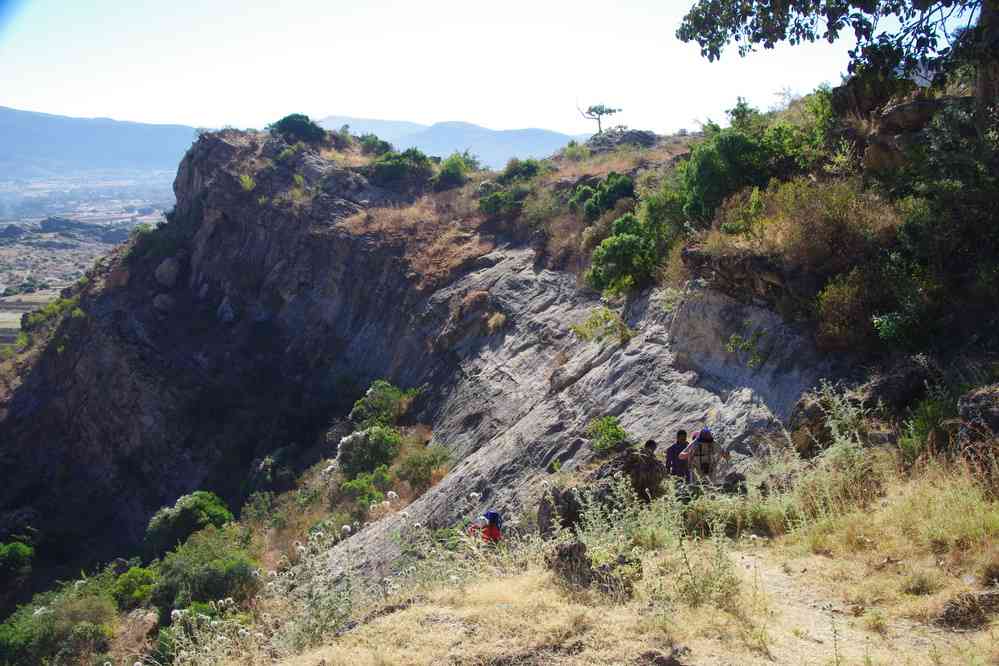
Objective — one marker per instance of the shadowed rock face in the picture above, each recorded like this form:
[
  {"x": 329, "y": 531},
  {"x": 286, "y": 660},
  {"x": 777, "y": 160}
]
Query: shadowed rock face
[{"x": 272, "y": 303}]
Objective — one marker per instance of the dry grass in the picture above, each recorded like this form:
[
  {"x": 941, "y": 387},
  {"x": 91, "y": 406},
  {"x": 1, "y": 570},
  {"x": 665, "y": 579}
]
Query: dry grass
[
  {"x": 438, "y": 233},
  {"x": 623, "y": 160},
  {"x": 522, "y": 619},
  {"x": 351, "y": 157},
  {"x": 929, "y": 538}
]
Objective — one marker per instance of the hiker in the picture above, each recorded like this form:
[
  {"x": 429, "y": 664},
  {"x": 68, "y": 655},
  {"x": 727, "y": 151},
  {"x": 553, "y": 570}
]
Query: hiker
[
  {"x": 487, "y": 526},
  {"x": 701, "y": 455},
  {"x": 491, "y": 532},
  {"x": 650, "y": 446},
  {"x": 675, "y": 466}
]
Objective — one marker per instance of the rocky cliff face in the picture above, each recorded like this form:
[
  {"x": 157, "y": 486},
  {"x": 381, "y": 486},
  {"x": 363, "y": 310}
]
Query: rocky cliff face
[{"x": 240, "y": 328}]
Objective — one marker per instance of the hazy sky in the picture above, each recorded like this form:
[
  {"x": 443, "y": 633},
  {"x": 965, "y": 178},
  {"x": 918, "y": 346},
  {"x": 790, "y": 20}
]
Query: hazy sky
[{"x": 504, "y": 64}]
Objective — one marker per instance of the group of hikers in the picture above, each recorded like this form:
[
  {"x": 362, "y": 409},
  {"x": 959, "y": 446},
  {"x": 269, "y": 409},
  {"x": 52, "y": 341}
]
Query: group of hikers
[{"x": 690, "y": 462}]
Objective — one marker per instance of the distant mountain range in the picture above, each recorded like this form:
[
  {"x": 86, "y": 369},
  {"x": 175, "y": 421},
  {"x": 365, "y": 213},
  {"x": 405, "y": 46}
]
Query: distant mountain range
[
  {"x": 494, "y": 147},
  {"x": 38, "y": 145}
]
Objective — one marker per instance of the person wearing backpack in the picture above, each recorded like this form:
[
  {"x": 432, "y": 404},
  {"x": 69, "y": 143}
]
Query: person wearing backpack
[
  {"x": 702, "y": 455},
  {"x": 675, "y": 466},
  {"x": 491, "y": 532}
]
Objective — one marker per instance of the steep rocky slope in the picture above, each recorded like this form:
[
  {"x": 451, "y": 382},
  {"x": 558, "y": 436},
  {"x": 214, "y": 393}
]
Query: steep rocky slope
[{"x": 243, "y": 325}]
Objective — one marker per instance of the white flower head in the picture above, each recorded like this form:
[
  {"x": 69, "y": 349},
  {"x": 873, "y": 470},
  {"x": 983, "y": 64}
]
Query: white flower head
[
  {"x": 345, "y": 529},
  {"x": 474, "y": 496},
  {"x": 392, "y": 496},
  {"x": 417, "y": 526}
]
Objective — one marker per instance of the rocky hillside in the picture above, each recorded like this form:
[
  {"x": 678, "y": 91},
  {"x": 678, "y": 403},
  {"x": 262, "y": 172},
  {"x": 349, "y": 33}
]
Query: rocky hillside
[{"x": 248, "y": 321}]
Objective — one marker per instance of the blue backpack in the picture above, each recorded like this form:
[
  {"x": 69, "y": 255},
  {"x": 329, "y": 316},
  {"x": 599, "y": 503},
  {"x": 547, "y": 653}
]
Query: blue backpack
[{"x": 494, "y": 518}]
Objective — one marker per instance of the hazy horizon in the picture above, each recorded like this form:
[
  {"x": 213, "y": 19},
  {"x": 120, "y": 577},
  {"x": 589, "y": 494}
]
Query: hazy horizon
[{"x": 227, "y": 63}]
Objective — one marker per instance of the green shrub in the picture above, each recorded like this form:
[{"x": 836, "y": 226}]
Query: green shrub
[
  {"x": 382, "y": 404},
  {"x": 595, "y": 201},
  {"x": 67, "y": 625},
  {"x": 372, "y": 145},
  {"x": 369, "y": 449},
  {"x": 720, "y": 166},
  {"x": 453, "y": 173},
  {"x": 519, "y": 170},
  {"x": 368, "y": 488},
  {"x": 601, "y": 324},
  {"x": 15, "y": 560},
  {"x": 247, "y": 183},
  {"x": 212, "y": 564},
  {"x": 504, "y": 203},
  {"x": 607, "y": 434},
  {"x": 54, "y": 311},
  {"x": 134, "y": 587},
  {"x": 576, "y": 152},
  {"x": 172, "y": 525},
  {"x": 298, "y": 127},
  {"x": 625, "y": 260},
  {"x": 410, "y": 168},
  {"x": 418, "y": 468}
]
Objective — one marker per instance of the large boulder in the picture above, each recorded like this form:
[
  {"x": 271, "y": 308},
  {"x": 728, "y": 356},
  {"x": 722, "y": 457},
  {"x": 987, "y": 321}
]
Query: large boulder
[
  {"x": 615, "y": 138},
  {"x": 900, "y": 385}
]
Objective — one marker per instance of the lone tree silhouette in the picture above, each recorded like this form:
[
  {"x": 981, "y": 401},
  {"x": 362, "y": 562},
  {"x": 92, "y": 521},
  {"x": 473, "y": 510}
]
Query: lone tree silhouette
[{"x": 596, "y": 112}]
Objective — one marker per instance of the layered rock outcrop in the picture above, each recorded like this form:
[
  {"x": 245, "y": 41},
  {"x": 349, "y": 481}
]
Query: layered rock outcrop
[{"x": 280, "y": 294}]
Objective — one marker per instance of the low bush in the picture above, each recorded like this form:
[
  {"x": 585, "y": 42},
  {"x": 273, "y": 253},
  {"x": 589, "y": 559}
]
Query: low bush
[
  {"x": 519, "y": 170},
  {"x": 367, "y": 450},
  {"x": 606, "y": 434},
  {"x": 382, "y": 404},
  {"x": 53, "y": 311},
  {"x": 372, "y": 145},
  {"x": 419, "y": 467},
  {"x": 410, "y": 168},
  {"x": 134, "y": 587},
  {"x": 212, "y": 564},
  {"x": 172, "y": 525},
  {"x": 71, "y": 624},
  {"x": 576, "y": 152},
  {"x": 368, "y": 488},
  {"x": 504, "y": 203},
  {"x": 453, "y": 172},
  {"x": 601, "y": 324},
  {"x": 626, "y": 259},
  {"x": 298, "y": 127},
  {"x": 15, "y": 560},
  {"x": 596, "y": 201}
]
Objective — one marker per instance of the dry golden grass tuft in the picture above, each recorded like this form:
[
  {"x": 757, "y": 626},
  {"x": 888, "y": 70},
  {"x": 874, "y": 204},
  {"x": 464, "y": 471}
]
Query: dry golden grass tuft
[
  {"x": 438, "y": 233},
  {"x": 623, "y": 160}
]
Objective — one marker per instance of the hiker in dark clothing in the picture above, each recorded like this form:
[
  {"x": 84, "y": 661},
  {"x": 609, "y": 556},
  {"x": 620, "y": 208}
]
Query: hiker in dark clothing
[
  {"x": 675, "y": 466},
  {"x": 702, "y": 454}
]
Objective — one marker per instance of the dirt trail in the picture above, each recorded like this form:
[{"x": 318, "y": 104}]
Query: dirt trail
[{"x": 794, "y": 623}]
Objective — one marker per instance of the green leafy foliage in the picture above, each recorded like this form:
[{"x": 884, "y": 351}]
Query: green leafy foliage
[
  {"x": 298, "y": 127},
  {"x": 626, "y": 259},
  {"x": 372, "y": 145},
  {"x": 410, "y": 168},
  {"x": 379, "y": 446},
  {"x": 15, "y": 560},
  {"x": 368, "y": 487},
  {"x": 601, "y": 324},
  {"x": 519, "y": 170},
  {"x": 212, "y": 564},
  {"x": 606, "y": 434},
  {"x": 602, "y": 198},
  {"x": 54, "y": 311},
  {"x": 382, "y": 404},
  {"x": 454, "y": 171},
  {"x": 418, "y": 467},
  {"x": 172, "y": 525},
  {"x": 247, "y": 183},
  {"x": 134, "y": 587},
  {"x": 504, "y": 203},
  {"x": 70, "y": 624}
]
